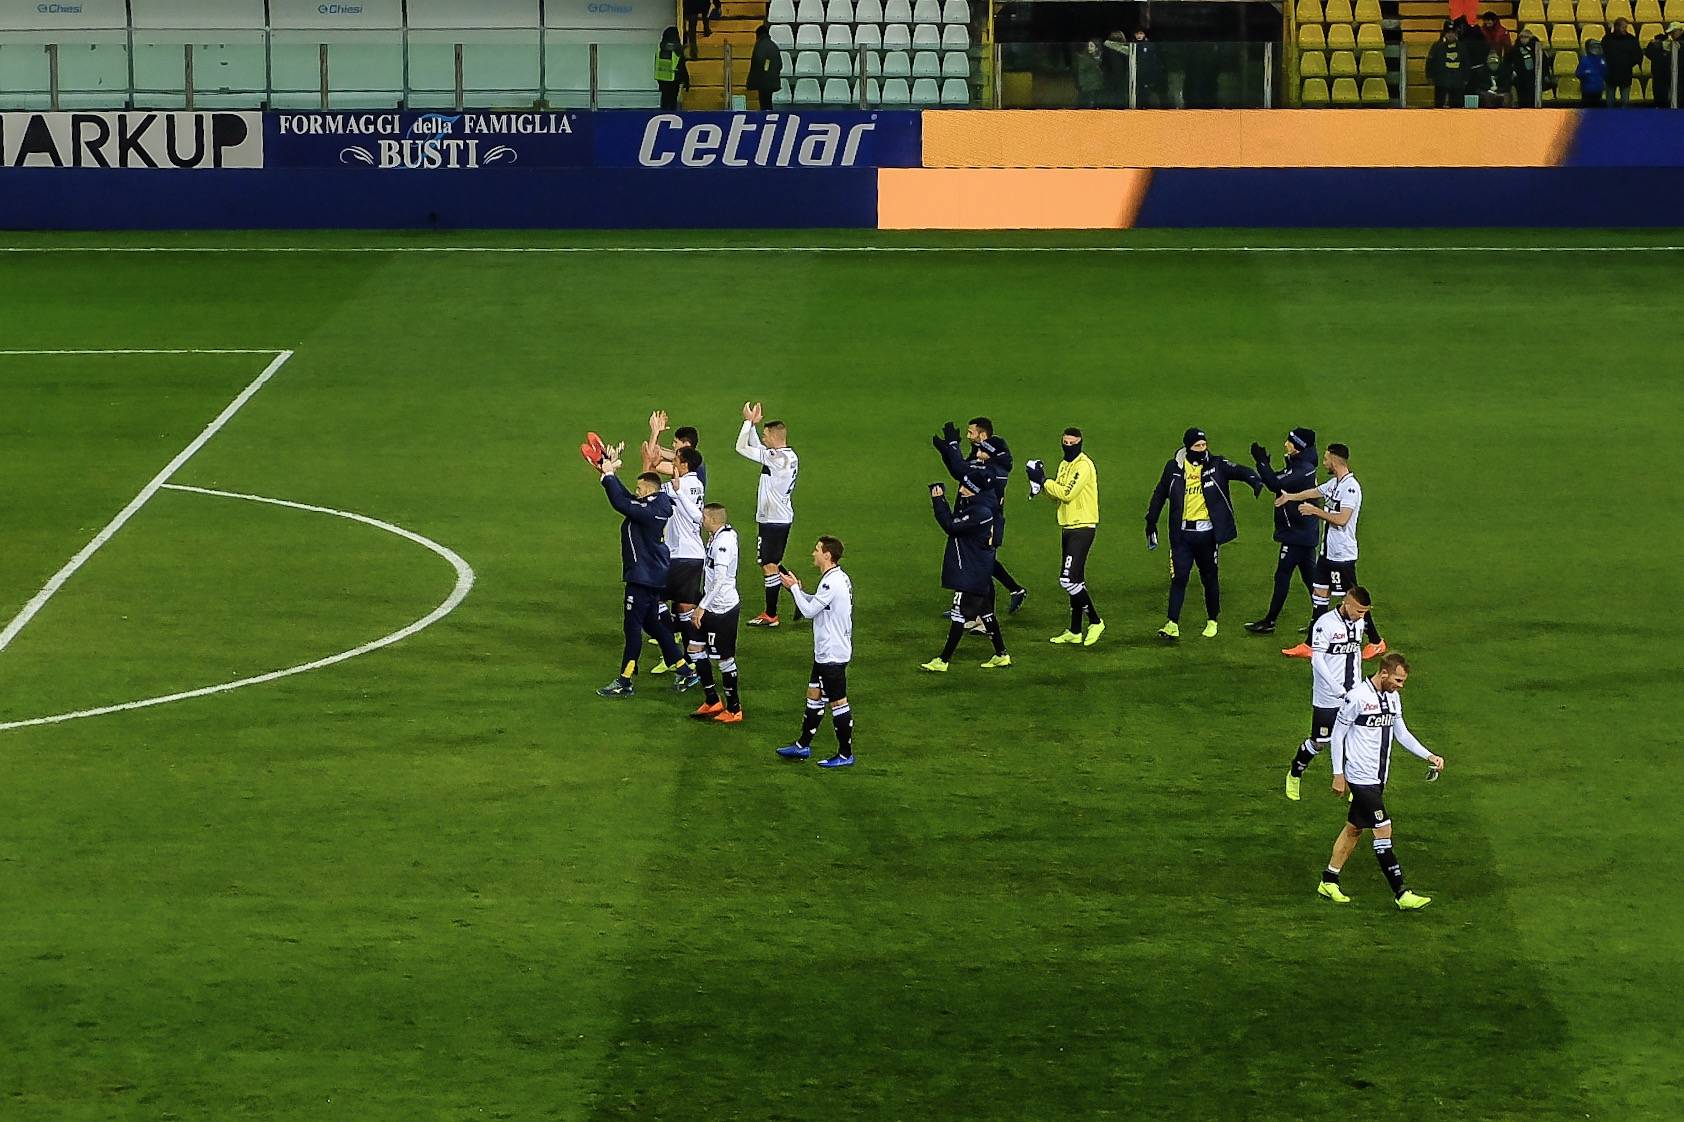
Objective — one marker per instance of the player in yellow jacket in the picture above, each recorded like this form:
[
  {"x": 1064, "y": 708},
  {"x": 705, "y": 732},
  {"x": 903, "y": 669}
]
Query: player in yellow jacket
[{"x": 1076, "y": 491}]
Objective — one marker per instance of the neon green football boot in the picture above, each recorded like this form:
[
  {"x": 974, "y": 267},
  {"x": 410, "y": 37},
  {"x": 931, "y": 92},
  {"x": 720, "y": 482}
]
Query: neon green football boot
[
  {"x": 1293, "y": 783},
  {"x": 997, "y": 661},
  {"x": 934, "y": 666},
  {"x": 1332, "y": 892},
  {"x": 1066, "y": 637},
  {"x": 1094, "y": 632},
  {"x": 1411, "y": 902},
  {"x": 1210, "y": 629},
  {"x": 1170, "y": 630}
]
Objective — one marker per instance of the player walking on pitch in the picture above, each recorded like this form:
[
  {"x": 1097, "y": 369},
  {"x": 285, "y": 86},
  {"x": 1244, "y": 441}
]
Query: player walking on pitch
[
  {"x": 1370, "y": 719},
  {"x": 1201, "y": 519},
  {"x": 831, "y": 608},
  {"x": 1336, "y": 568},
  {"x": 1075, "y": 488},
  {"x": 1335, "y": 666},
  {"x": 967, "y": 565},
  {"x": 775, "y": 509},
  {"x": 715, "y": 621}
]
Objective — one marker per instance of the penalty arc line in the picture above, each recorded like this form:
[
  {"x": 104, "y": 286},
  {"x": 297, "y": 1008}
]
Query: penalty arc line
[
  {"x": 50, "y": 589},
  {"x": 464, "y": 584}
]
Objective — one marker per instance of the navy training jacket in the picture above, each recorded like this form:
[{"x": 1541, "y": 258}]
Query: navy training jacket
[{"x": 643, "y": 548}]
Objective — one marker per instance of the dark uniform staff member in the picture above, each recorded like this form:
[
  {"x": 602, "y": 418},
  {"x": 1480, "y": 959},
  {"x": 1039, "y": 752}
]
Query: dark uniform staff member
[
  {"x": 1298, "y": 534},
  {"x": 643, "y": 564},
  {"x": 967, "y": 566},
  {"x": 1201, "y": 518},
  {"x": 766, "y": 67},
  {"x": 992, "y": 457},
  {"x": 670, "y": 71}
]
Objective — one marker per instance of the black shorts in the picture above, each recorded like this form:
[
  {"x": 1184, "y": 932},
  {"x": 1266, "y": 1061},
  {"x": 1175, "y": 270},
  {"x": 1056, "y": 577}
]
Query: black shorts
[
  {"x": 684, "y": 581},
  {"x": 772, "y": 540},
  {"x": 830, "y": 679},
  {"x": 1076, "y": 544},
  {"x": 1338, "y": 577},
  {"x": 719, "y": 632},
  {"x": 972, "y": 605},
  {"x": 1368, "y": 807},
  {"x": 1321, "y": 722}
]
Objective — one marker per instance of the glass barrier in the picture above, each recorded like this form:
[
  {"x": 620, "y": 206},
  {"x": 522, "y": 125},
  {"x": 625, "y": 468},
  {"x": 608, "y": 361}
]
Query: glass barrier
[{"x": 1100, "y": 74}]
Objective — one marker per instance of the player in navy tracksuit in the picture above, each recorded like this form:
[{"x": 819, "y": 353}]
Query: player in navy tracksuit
[
  {"x": 1298, "y": 534},
  {"x": 988, "y": 450},
  {"x": 643, "y": 562},
  {"x": 967, "y": 566},
  {"x": 1194, "y": 484}
]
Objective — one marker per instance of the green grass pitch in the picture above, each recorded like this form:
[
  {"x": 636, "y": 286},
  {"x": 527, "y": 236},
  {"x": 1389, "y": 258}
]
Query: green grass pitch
[{"x": 444, "y": 881}]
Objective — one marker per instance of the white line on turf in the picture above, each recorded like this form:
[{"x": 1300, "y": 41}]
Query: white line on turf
[
  {"x": 548, "y": 250},
  {"x": 39, "y": 600},
  {"x": 464, "y": 583},
  {"x": 152, "y": 351}
]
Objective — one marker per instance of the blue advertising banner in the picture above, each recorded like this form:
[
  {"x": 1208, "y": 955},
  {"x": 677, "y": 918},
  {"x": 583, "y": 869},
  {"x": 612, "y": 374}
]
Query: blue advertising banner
[
  {"x": 786, "y": 139},
  {"x": 428, "y": 141}
]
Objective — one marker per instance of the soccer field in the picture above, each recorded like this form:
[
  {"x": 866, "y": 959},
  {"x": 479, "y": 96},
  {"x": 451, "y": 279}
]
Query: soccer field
[{"x": 441, "y": 879}]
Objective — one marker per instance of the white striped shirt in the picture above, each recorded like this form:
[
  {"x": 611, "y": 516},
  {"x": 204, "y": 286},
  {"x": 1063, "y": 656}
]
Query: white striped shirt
[
  {"x": 719, "y": 578},
  {"x": 1335, "y": 657},
  {"x": 778, "y": 469},
  {"x": 1369, "y": 721},
  {"x": 831, "y": 608}
]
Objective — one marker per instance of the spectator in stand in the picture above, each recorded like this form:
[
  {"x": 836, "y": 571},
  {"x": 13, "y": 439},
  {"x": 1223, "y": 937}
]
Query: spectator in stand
[
  {"x": 1447, "y": 69},
  {"x": 694, "y": 11},
  {"x": 1496, "y": 35},
  {"x": 1090, "y": 78},
  {"x": 1151, "y": 83},
  {"x": 1114, "y": 63},
  {"x": 1662, "y": 53},
  {"x": 1622, "y": 54},
  {"x": 670, "y": 71},
  {"x": 1592, "y": 74},
  {"x": 766, "y": 67},
  {"x": 1524, "y": 71},
  {"x": 1482, "y": 78}
]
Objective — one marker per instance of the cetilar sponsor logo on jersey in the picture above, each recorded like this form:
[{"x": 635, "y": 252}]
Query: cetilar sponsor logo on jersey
[
  {"x": 772, "y": 140},
  {"x": 1344, "y": 647}
]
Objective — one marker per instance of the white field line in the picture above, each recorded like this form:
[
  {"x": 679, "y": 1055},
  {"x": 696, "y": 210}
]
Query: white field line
[
  {"x": 774, "y": 249},
  {"x": 39, "y": 600},
  {"x": 464, "y": 583},
  {"x": 153, "y": 351}
]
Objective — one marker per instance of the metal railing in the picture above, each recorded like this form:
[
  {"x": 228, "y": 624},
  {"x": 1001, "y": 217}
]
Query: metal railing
[{"x": 1128, "y": 74}]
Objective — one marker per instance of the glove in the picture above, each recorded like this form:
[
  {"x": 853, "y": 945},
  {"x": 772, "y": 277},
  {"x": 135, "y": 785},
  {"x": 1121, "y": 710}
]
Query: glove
[
  {"x": 1256, "y": 489},
  {"x": 950, "y": 432},
  {"x": 1259, "y": 453},
  {"x": 1037, "y": 475},
  {"x": 1151, "y": 537},
  {"x": 939, "y": 443}
]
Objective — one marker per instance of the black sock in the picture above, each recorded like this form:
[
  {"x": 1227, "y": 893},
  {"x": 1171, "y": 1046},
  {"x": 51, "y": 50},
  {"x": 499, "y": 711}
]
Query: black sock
[
  {"x": 1388, "y": 864},
  {"x": 1087, "y": 605},
  {"x": 992, "y": 625},
  {"x": 842, "y": 720},
  {"x": 728, "y": 672},
  {"x": 955, "y": 632},
  {"x": 810, "y": 723},
  {"x": 1317, "y": 607},
  {"x": 1076, "y": 607},
  {"x": 1306, "y": 752},
  {"x": 704, "y": 669},
  {"x": 773, "y": 587},
  {"x": 1330, "y": 875},
  {"x": 1373, "y": 628},
  {"x": 1005, "y": 578}
]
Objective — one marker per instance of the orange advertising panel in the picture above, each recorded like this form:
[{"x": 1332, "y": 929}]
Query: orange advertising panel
[
  {"x": 1244, "y": 138},
  {"x": 1009, "y": 198}
]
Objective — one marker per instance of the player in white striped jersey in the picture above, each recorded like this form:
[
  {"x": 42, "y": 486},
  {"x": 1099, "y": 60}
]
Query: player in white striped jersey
[
  {"x": 1369, "y": 721},
  {"x": 715, "y": 621},
  {"x": 684, "y": 544},
  {"x": 831, "y": 608},
  {"x": 775, "y": 511},
  {"x": 1335, "y": 666},
  {"x": 1340, "y": 500}
]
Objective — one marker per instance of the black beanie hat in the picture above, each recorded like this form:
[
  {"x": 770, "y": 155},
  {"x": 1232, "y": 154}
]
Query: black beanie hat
[
  {"x": 1192, "y": 437},
  {"x": 1302, "y": 438}
]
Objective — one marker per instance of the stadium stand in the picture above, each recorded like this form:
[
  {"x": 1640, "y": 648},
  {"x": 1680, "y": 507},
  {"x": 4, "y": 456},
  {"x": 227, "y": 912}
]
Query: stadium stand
[
  {"x": 909, "y": 52},
  {"x": 1339, "y": 40}
]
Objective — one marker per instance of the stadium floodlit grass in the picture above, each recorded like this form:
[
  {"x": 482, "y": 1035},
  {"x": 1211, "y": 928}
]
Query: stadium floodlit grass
[{"x": 443, "y": 880}]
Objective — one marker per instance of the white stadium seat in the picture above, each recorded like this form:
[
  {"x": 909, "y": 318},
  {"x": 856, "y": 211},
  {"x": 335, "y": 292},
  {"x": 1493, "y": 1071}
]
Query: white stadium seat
[
  {"x": 781, "y": 95},
  {"x": 897, "y": 38},
  {"x": 955, "y": 64},
  {"x": 927, "y": 37},
  {"x": 926, "y": 64},
  {"x": 839, "y": 11},
  {"x": 955, "y": 91},
  {"x": 810, "y": 11},
  {"x": 895, "y": 92},
  {"x": 956, "y": 11},
  {"x": 809, "y": 64},
  {"x": 868, "y": 11},
  {"x": 927, "y": 11},
  {"x": 807, "y": 92},
  {"x": 897, "y": 64},
  {"x": 955, "y": 37},
  {"x": 897, "y": 11},
  {"x": 838, "y": 92},
  {"x": 868, "y": 35},
  {"x": 838, "y": 37},
  {"x": 873, "y": 64},
  {"x": 925, "y": 92},
  {"x": 789, "y": 65},
  {"x": 780, "y": 11},
  {"x": 873, "y": 92},
  {"x": 782, "y": 37},
  {"x": 838, "y": 64},
  {"x": 809, "y": 38}
]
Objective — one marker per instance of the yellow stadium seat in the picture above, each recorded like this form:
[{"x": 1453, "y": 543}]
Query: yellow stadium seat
[
  {"x": 1539, "y": 32},
  {"x": 1343, "y": 64},
  {"x": 1345, "y": 92},
  {"x": 1588, "y": 11},
  {"x": 1564, "y": 37},
  {"x": 1315, "y": 93},
  {"x": 1647, "y": 11},
  {"x": 1312, "y": 64},
  {"x": 1367, "y": 11},
  {"x": 1309, "y": 11},
  {"x": 1372, "y": 64},
  {"x": 1565, "y": 63},
  {"x": 1374, "y": 92},
  {"x": 1310, "y": 37},
  {"x": 1559, "y": 11},
  {"x": 1339, "y": 38},
  {"x": 1616, "y": 9},
  {"x": 1370, "y": 35},
  {"x": 1589, "y": 31},
  {"x": 1339, "y": 11},
  {"x": 1646, "y": 34},
  {"x": 1530, "y": 11},
  {"x": 1567, "y": 89},
  {"x": 1674, "y": 11}
]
